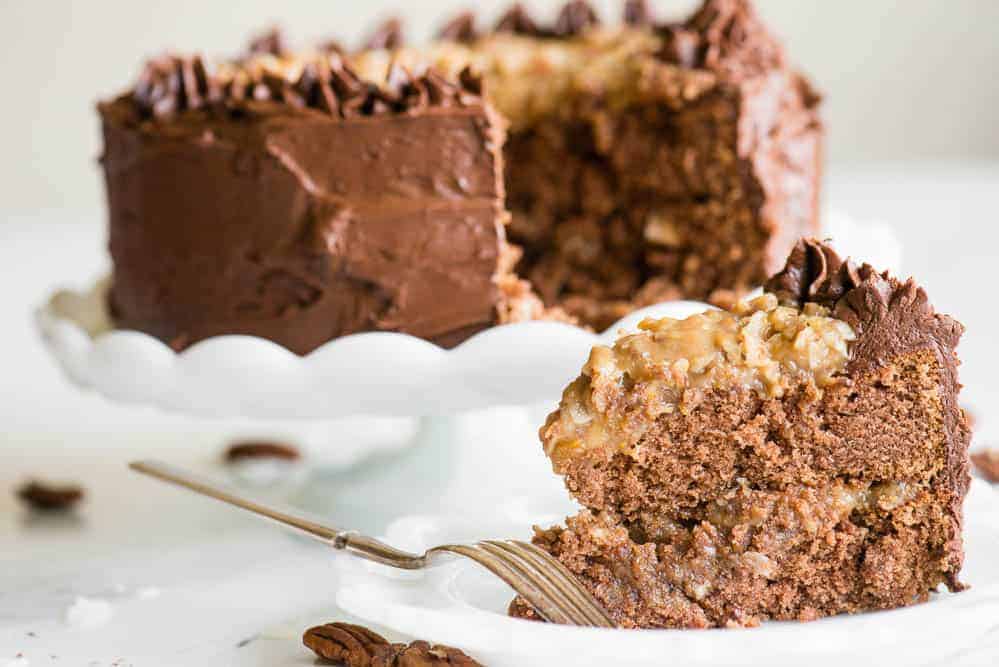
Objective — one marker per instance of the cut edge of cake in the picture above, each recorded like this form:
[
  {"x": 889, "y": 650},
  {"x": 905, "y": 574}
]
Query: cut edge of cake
[{"x": 801, "y": 457}]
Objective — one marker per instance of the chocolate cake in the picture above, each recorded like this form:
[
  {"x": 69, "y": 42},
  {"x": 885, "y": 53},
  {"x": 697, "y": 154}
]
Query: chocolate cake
[
  {"x": 302, "y": 196},
  {"x": 800, "y": 456},
  {"x": 645, "y": 162}
]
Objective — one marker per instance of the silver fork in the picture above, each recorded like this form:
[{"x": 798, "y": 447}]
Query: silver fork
[{"x": 535, "y": 575}]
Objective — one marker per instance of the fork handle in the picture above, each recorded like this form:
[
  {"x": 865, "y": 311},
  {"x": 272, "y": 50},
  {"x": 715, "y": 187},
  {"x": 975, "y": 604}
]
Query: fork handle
[{"x": 344, "y": 540}]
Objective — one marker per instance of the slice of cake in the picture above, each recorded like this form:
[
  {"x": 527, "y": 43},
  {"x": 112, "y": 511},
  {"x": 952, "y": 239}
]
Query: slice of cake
[
  {"x": 302, "y": 196},
  {"x": 801, "y": 456}
]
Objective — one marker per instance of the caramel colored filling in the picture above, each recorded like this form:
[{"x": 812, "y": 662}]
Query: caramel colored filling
[
  {"x": 528, "y": 78},
  {"x": 756, "y": 531},
  {"x": 762, "y": 346}
]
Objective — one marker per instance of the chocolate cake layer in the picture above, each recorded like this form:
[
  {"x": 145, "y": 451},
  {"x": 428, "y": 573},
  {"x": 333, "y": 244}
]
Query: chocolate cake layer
[
  {"x": 301, "y": 224},
  {"x": 800, "y": 457}
]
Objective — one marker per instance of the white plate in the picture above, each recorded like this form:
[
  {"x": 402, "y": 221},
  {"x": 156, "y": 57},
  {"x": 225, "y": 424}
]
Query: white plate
[
  {"x": 461, "y": 605},
  {"x": 370, "y": 373}
]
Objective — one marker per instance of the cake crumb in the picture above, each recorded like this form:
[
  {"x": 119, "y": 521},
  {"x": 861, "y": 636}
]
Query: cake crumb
[{"x": 971, "y": 416}]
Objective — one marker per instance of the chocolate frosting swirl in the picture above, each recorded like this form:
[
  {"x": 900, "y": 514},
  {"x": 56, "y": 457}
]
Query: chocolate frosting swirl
[
  {"x": 389, "y": 35},
  {"x": 889, "y": 317},
  {"x": 459, "y": 29},
  {"x": 171, "y": 84},
  {"x": 270, "y": 42},
  {"x": 637, "y": 13},
  {"x": 814, "y": 273},
  {"x": 518, "y": 21},
  {"x": 575, "y": 18},
  {"x": 733, "y": 38}
]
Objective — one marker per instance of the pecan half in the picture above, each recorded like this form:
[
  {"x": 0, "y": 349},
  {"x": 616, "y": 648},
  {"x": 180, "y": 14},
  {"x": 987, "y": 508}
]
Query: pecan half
[
  {"x": 423, "y": 654},
  {"x": 357, "y": 646},
  {"x": 258, "y": 450},
  {"x": 345, "y": 644},
  {"x": 49, "y": 497}
]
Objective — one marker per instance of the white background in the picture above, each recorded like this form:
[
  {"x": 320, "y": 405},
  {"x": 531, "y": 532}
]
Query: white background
[{"x": 912, "y": 85}]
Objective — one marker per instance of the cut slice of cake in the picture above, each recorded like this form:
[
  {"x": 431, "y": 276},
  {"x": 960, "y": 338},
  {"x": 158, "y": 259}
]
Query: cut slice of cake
[{"x": 801, "y": 456}]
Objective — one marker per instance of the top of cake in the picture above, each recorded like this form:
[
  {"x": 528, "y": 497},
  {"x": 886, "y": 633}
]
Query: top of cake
[
  {"x": 530, "y": 68},
  {"x": 314, "y": 82}
]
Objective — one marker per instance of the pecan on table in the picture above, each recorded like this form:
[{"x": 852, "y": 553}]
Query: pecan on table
[
  {"x": 345, "y": 643},
  {"x": 423, "y": 654},
  {"x": 357, "y": 646},
  {"x": 48, "y": 497},
  {"x": 260, "y": 450}
]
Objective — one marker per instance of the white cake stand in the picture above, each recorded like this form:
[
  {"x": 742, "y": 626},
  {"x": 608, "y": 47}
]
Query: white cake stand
[
  {"x": 387, "y": 375},
  {"x": 358, "y": 463}
]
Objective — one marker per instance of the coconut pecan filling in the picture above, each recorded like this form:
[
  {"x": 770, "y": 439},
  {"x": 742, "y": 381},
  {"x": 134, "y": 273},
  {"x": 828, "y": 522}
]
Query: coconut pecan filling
[{"x": 666, "y": 367}]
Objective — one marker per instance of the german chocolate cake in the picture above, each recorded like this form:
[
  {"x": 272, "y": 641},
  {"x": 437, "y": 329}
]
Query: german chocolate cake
[
  {"x": 562, "y": 169},
  {"x": 800, "y": 456}
]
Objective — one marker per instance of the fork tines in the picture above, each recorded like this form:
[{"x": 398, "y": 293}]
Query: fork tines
[{"x": 540, "y": 579}]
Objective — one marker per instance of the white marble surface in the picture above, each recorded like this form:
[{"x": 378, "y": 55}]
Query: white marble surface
[{"x": 224, "y": 579}]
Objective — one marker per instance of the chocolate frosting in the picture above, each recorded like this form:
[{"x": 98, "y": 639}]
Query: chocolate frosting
[
  {"x": 575, "y": 18},
  {"x": 891, "y": 319},
  {"x": 725, "y": 36},
  {"x": 734, "y": 41},
  {"x": 459, "y": 29},
  {"x": 269, "y": 42},
  {"x": 388, "y": 35},
  {"x": 300, "y": 226},
  {"x": 637, "y": 13},
  {"x": 172, "y": 84},
  {"x": 518, "y": 21}
]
